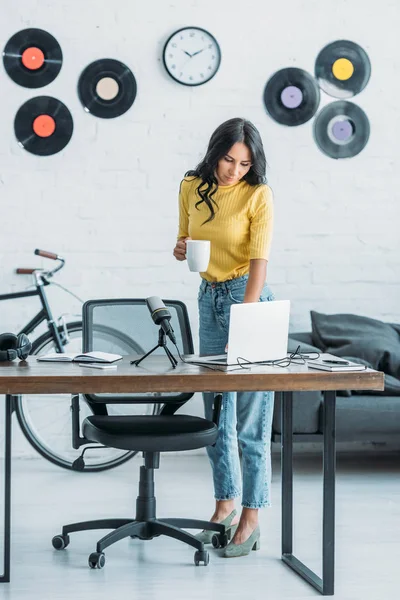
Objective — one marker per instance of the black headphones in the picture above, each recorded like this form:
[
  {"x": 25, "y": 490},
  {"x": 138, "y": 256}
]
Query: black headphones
[{"x": 13, "y": 346}]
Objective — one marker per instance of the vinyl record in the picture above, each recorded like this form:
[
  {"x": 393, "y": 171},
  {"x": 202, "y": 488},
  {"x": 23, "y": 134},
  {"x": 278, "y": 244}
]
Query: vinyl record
[
  {"x": 291, "y": 96},
  {"x": 342, "y": 69},
  {"x": 32, "y": 58},
  {"x": 43, "y": 125},
  {"x": 107, "y": 88},
  {"x": 341, "y": 129}
]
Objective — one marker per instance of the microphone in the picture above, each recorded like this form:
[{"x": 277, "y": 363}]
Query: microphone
[{"x": 161, "y": 316}]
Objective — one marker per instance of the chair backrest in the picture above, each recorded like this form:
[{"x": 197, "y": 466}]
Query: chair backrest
[{"x": 124, "y": 326}]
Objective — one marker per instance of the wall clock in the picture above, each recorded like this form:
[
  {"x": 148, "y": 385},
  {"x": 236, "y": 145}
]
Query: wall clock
[{"x": 192, "y": 56}]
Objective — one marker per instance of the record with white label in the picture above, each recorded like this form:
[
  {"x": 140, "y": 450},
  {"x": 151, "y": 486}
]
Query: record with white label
[
  {"x": 107, "y": 88},
  {"x": 341, "y": 129}
]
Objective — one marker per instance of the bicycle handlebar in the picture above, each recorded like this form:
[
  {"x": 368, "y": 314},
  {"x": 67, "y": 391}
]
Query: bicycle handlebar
[
  {"x": 38, "y": 272},
  {"x": 25, "y": 271},
  {"x": 46, "y": 254}
]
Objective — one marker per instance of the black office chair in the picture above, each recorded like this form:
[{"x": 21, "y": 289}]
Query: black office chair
[{"x": 129, "y": 320}]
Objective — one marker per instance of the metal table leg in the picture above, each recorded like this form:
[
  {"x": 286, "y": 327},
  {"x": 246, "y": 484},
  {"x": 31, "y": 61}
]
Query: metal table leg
[
  {"x": 5, "y": 578},
  {"x": 325, "y": 585}
]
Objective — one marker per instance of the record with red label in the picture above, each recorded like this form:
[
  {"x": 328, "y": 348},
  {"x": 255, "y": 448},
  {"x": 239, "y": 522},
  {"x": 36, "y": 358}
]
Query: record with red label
[
  {"x": 107, "y": 88},
  {"x": 342, "y": 69},
  {"x": 32, "y": 58},
  {"x": 43, "y": 125},
  {"x": 341, "y": 129},
  {"x": 291, "y": 96}
]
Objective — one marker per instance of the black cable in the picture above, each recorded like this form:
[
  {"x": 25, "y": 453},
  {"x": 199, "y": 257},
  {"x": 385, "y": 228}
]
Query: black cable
[{"x": 296, "y": 358}]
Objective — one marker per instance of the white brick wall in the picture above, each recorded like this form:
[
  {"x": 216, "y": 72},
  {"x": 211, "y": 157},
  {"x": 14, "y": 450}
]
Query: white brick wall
[{"x": 108, "y": 202}]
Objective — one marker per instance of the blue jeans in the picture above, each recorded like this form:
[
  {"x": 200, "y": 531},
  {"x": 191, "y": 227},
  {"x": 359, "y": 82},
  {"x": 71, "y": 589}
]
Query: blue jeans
[{"x": 246, "y": 417}]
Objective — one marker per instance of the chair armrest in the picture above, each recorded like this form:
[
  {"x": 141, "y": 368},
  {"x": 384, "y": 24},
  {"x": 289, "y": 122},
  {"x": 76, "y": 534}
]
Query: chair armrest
[{"x": 170, "y": 408}]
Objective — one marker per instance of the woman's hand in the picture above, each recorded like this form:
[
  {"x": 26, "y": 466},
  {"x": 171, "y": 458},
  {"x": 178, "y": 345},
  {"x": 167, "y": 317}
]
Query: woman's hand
[{"x": 180, "y": 249}]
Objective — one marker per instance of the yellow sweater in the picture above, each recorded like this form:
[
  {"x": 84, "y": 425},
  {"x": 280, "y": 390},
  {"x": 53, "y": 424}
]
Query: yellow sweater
[{"x": 240, "y": 231}]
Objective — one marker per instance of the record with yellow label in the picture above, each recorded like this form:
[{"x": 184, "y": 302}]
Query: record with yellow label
[{"x": 342, "y": 69}]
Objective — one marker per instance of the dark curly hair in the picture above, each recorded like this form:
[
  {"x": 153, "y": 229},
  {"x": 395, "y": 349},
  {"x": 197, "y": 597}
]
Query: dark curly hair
[{"x": 224, "y": 137}]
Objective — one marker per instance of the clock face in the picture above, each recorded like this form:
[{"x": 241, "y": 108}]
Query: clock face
[{"x": 192, "y": 56}]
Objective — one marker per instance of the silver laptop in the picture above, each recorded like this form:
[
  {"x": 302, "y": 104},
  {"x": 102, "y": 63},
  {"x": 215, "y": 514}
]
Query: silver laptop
[{"x": 258, "y": 331}]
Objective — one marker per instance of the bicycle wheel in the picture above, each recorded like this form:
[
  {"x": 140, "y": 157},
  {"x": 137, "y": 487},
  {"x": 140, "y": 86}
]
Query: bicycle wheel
[{"x": 46, "y": 420}]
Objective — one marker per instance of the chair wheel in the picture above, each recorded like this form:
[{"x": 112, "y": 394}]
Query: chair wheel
[
  {"x": 97, "y": 560},
  {"x": 60, "y": 541},
  {"x": 201, "y": 556},
  {"x": 219, "y": 540}
]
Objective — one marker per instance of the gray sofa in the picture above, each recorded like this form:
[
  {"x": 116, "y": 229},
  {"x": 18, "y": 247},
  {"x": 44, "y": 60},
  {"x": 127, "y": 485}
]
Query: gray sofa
[{"x": 359, "y": 417}]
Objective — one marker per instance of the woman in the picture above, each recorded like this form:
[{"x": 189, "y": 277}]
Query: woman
[{"x": 225, "y": 200}]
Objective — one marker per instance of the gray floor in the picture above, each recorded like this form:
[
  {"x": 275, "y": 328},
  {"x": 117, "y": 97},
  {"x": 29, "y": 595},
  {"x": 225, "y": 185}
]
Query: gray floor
[{"x": 44, "y": 497}]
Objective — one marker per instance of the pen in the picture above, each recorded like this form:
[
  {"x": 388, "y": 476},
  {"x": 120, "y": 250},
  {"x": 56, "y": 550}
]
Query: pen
[{"x": 336, "y": 362}]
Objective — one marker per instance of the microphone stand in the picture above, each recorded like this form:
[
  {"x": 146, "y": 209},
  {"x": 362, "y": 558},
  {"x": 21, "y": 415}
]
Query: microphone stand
[{"x": 162, "y": 343}]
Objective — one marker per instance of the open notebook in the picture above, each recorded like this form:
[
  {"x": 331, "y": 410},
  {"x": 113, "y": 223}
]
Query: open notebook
[{"x": 99, "y": 357}]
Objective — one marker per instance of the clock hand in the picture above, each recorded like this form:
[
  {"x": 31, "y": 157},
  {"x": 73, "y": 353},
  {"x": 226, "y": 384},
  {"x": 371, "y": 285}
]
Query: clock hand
[
  {"x": 188, "y": 53},
  {"x": 198, "y": 52}
]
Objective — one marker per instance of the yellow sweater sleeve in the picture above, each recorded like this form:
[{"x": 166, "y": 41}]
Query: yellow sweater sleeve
[
  {"x": 261, "y": 223},
  {"x": 183, "y": 209}
]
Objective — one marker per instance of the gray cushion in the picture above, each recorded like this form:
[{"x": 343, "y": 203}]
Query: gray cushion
[
  {"x": 305, "y": 412},
  {"x": 367, "y": 414},
  {"x": 348, "y": 335},
  {"x": 303, "y": 340},
  {"x": 302, "y": 336}
]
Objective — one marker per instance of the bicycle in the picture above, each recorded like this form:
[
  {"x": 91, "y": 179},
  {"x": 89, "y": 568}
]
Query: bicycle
[{"x": 45, "y": 421}]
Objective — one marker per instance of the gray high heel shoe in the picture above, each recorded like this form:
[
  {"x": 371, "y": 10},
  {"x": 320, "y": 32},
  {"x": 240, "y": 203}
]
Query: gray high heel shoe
[
  {"x": 206, "y": 536},
  {"x": 252, "y": 543}
]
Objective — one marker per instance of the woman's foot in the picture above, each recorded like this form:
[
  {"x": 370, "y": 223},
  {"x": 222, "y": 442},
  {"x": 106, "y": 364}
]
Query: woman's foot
[
  {"x": 244, "y": 531},
  {"x": 222, "y": 515},
  {"x": 247, "y": 535},
  {"x": 230, "y": 521},
  {"x": 242, "y": 545}
]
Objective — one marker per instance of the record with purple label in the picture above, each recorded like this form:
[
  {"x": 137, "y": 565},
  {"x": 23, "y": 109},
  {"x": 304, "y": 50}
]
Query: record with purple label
[
  {"x": 32, "y": 58},
  {"x": 341, "y": 129},
  {"x": 43, "y": 125},
  {"x": 342, "y": 69},
  {"x": 291, "y": 96},
  {"x": 107, "y": 88}
]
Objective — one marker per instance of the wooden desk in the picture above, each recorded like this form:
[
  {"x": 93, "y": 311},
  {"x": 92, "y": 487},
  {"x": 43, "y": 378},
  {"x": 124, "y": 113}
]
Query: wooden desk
[{"x": 156, "y": 375}]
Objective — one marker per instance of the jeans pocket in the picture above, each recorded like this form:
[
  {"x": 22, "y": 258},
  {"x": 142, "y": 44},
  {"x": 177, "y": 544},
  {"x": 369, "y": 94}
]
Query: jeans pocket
[
  {"x": 237, "y": 295},
  {"x": 266, "y": 294}
]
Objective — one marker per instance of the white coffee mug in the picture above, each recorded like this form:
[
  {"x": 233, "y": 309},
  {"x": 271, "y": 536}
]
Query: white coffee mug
[{"x": 198, "y": 255}]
